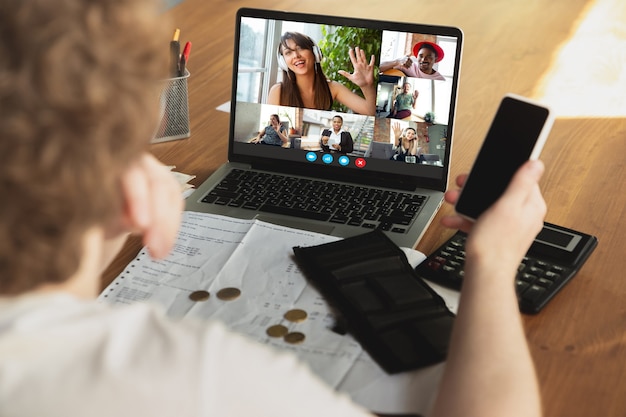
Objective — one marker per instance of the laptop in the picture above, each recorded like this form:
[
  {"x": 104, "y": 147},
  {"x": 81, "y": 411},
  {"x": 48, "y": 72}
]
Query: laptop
[{"x": 344, "y": 191}]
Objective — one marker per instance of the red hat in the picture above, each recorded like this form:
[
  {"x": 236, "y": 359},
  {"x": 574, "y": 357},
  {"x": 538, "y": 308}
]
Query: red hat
[{"x": 436, "y": 47}]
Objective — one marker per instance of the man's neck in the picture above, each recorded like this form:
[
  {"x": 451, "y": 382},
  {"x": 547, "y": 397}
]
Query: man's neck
[{"x": 84, "y": 283}]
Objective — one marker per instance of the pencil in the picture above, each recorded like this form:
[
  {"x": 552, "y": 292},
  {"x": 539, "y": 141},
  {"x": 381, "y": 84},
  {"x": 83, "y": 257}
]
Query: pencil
[{"x": 175, "y": 54}]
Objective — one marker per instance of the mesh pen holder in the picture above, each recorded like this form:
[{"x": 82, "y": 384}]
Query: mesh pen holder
[{"x": 174, "y": 121}]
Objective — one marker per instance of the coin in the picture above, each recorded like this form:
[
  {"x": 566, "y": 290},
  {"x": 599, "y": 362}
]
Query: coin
[
  {"x": 296, "y": 315},
  {"x": 200, "y": 295},
  {"x": 294, "y": 337},
  {"x": 277, "y": 330},
  {"x": 228, "y": 294}
]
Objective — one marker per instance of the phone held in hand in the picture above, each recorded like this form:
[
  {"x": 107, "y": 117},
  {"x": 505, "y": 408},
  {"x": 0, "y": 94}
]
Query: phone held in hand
[{"x": 517, "y": 133}]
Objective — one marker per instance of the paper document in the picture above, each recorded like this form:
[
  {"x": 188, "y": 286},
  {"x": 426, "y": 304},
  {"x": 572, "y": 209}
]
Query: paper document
[{"x": 255, "y": 261}]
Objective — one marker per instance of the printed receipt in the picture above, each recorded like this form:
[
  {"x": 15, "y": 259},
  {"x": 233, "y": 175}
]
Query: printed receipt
[{"x": 214, "y": 252}]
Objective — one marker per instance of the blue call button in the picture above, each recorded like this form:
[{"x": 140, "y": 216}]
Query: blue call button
[
  {"x": 311, "y": 156},
  {"x": 343, "y": 160},
  {"x": 327, "y": 158}
]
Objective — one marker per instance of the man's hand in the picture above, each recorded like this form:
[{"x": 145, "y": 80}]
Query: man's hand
[
  {"x": 153, "y": 204},
  {"x": 511, "y": 223}
]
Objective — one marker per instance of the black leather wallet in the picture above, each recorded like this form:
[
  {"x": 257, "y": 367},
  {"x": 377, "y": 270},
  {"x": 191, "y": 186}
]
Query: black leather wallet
[{"x": 397, "y": 318}]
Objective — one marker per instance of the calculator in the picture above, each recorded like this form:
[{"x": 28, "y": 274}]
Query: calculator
[{"x": 554, "y": 258}]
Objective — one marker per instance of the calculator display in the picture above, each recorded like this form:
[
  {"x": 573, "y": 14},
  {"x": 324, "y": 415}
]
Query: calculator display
[{"x": 558, "y": 238}]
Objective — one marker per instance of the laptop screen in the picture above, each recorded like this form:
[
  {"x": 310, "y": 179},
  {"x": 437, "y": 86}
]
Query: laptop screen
[{"x": 334, "y": 97}]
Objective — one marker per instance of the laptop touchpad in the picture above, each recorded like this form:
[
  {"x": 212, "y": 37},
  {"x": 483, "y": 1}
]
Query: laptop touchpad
[{"x": 294, "y": 223}]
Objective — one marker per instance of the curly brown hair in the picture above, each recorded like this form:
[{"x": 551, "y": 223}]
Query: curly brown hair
[{"x": 78, "y": 103}]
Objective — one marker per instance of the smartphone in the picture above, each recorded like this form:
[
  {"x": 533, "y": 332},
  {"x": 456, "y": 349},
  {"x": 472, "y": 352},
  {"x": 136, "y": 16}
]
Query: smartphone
[{"x": 517, "y": 133}]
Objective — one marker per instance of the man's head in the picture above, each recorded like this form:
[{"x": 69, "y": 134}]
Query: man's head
[
  {"x": 337, "y": 122},
  {"x": 78, "y": 103},
  {"x": 427, "y": 54}
]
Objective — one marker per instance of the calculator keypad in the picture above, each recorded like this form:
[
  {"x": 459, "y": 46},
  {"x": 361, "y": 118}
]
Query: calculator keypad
[{"x": 537, "y": 280}]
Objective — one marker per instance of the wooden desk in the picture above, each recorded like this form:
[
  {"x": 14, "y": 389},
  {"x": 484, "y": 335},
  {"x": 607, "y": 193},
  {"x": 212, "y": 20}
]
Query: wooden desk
[{"x": 579, "y": 340}]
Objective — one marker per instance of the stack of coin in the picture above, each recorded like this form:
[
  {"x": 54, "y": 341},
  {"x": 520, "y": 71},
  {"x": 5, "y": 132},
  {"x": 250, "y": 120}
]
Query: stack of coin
[
  {"x": 229, "y": 293},
  {"x": 295, "y": 315},
  {"x": 225, "y": 294},
  {"x": 277, "y": 330},
  {"x": 200, "y": 295},
  {"x": 294, "y": 338}
]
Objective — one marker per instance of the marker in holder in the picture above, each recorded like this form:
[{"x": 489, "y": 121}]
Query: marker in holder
[{"x": 174, "y": 121}]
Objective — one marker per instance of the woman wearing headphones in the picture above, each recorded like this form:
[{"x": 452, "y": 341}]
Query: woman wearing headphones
[{"x": 305, "y": 85}]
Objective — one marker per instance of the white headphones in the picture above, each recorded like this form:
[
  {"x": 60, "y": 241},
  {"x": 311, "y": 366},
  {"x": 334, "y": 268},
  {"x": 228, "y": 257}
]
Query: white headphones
[
  {"x": 406, "y": 129},
  {"x": 317, "y": 53}
]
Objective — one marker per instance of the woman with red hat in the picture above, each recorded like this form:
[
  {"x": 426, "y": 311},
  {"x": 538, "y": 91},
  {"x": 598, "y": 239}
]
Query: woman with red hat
[{"x": 420, "y": 64}]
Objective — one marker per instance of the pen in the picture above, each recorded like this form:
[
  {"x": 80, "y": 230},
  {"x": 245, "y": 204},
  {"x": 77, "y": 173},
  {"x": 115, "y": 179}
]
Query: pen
[
  {"x": 175, "y": 53},
  {"x": 184, "y": 58}
]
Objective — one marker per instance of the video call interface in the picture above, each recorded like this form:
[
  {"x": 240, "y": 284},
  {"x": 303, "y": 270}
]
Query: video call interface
[{"x": 403, "y": 129}]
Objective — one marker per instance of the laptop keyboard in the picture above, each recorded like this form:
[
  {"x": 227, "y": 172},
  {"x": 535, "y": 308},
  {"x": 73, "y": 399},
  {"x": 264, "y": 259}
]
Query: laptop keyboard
[{"x": 317, "y": 200}]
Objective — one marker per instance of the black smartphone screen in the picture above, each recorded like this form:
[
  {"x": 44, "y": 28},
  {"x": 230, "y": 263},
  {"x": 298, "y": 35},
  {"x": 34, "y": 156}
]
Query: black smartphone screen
[{"x": 516, "y": 131}]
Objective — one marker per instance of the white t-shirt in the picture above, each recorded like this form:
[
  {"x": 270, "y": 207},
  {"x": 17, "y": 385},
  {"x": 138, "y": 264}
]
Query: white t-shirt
[
  {"x": 334, "y": 138},
  {"x": 64, "y": 357},
  {"x": 415, "y": 71}
]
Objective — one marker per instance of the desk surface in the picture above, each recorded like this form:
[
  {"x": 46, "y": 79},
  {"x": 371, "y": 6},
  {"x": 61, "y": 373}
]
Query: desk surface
[{"x": 578, "y": 341}]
